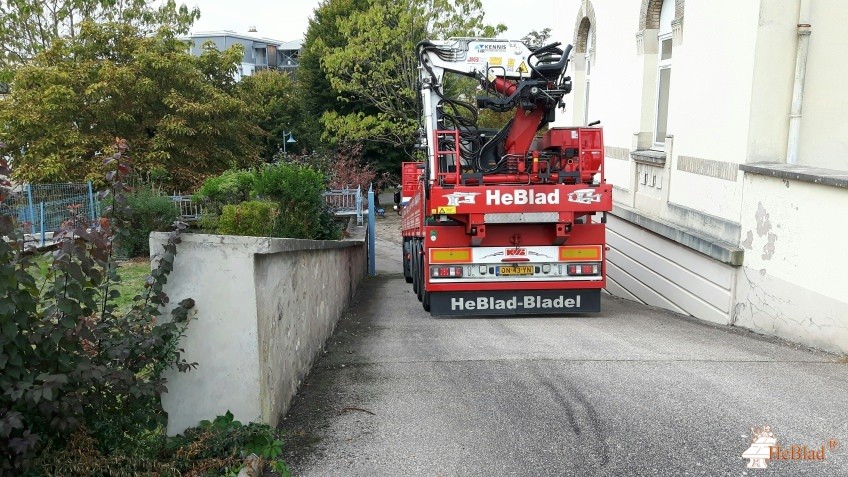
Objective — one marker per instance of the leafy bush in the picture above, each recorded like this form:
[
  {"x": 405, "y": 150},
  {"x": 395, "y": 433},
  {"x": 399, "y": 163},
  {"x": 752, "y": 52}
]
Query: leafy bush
[
  {"x": 69, "y": 361},
  {"x": 298, "y": 191},
  {"x": 208, "y": 222},
  {"x": 227, "y": 440},
  {"x": 255, "y": 219},
  {"x": 231, "y": 187},
  {"x": 148, "y": 212},
  {"x": 212, "y": 448}
]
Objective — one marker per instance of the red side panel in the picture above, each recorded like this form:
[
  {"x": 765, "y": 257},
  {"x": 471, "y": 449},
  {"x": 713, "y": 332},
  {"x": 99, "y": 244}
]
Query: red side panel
[{"x": 588, "y": 141}]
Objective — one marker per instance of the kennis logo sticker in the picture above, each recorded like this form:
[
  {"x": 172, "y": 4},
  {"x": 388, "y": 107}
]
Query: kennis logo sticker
[
  {"x": 584, "y": 196},
  {"x": 483, "y": 47}
]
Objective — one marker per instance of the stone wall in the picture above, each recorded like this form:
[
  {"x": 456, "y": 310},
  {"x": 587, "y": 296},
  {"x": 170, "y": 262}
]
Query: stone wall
[{"x": 265, "y": 307}]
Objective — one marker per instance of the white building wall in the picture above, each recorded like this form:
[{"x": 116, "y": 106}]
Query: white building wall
[
  {"x": 677, "y": 243},
  {"x": 824, "y": 122},
  {"x": 793, "y": 282},
  {"x": 710, "y": 99},
  {"x": 774, "y": 70}
]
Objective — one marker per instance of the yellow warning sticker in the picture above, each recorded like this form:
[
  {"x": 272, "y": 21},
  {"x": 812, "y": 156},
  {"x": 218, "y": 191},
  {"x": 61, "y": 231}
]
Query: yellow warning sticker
[
  {"x": 522, "y": 68},
  {"x": 447, "y": 209},
  {"x": 510, "y": 64},
  {"x": 495, "y": 61}
]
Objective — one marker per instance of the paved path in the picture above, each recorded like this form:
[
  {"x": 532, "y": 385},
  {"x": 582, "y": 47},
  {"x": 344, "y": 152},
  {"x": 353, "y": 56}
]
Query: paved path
[{"x": 632, "y": 391}]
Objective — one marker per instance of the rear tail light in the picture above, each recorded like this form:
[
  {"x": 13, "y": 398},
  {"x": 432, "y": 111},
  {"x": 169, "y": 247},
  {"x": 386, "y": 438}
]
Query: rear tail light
[
  {"x": 446, "y": 272},
  {"x": 584, "y": 269}
]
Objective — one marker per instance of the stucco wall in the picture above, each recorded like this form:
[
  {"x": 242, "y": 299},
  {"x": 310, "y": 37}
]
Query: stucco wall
[
  {"x": 825, "y": 96},
  {"x": 299, "y": 296},
  {"x": 731, "y": 88},
  {"x": 264, "y": 309},
  {"x": 793, "y": 282}
]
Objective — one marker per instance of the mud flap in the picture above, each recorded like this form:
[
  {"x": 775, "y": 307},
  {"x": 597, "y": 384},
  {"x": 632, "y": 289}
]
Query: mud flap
[{"x": 538, "y": 302}]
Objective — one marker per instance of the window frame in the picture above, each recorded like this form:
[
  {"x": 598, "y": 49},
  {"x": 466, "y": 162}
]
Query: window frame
[
  {"x": 590, "y": 47},
  {"x": 662, "y": 64}
]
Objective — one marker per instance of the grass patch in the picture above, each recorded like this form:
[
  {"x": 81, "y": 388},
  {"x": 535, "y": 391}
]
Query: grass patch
[{"x": 133, "y": 273}]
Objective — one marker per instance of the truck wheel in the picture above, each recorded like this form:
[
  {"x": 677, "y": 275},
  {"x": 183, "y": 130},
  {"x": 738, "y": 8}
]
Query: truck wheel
[
  {"x": 426, "y": 301},
  {"x": 407, "y": 273},
  {"x": 419, "y": 257},
  {"x": 413, "y": 264}
]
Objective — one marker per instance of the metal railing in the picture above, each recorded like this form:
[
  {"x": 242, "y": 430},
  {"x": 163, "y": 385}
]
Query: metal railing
[
  {"x": 345, "y": 202},
  {"x": 190, "y": 211},
  {"x": 40, "y": 209}
]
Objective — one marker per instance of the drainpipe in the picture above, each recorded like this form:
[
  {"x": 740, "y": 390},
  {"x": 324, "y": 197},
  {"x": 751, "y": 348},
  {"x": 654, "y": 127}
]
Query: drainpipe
[{"x": 798, "y": 86}]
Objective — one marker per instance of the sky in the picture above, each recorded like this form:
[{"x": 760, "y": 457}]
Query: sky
[{"x": 288, "y": 19}]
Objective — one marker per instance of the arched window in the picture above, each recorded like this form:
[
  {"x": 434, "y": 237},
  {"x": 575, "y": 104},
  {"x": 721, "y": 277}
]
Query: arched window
[
  {"x": 584, "y": 60},
  {"x": 660, "y": 30}
]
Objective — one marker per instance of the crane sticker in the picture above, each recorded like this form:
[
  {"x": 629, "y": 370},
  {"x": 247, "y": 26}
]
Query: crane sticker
[
  {"x": 522, "y": 68},
  {"x": 584, "y": 196},
  {"x": 457, "y": 198}
]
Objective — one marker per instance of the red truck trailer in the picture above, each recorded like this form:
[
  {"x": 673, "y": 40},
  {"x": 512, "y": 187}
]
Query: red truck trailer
[{"x": 504, "y": 222}]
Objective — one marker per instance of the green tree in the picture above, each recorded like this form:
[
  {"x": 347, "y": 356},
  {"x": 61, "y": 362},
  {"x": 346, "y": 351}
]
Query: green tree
[
  {"x": 315, "y": 93},
  {"x": 378, "y": 66},
  {"x": 110, "y": 80},
  {"x": 28, "y": 27},
  {"x": 274, "y": 108},
  {"x": 537, "y": 38}
]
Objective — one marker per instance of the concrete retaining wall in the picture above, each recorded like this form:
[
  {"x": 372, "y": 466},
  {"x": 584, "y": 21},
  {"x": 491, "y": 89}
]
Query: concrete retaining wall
[
  {"x": 651, "y": 269},
  {"x": 265, "y": 306}
]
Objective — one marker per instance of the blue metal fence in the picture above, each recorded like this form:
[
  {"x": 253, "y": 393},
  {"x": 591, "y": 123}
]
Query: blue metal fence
[{"x": 40, "y": 209}]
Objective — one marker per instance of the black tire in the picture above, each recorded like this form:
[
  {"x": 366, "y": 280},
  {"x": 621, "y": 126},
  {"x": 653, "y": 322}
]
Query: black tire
[
  {"x": 407, "y": 267},
  {"x": 419, "y": 256},
  {"x": 413, "y": 265},
  {"x": 425, "y": 294}
]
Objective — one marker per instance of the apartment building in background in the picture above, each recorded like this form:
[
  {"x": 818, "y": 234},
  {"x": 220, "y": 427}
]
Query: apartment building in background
[
  {"x": 259, "y": 53},
  {"x": 727, "y": 146}
]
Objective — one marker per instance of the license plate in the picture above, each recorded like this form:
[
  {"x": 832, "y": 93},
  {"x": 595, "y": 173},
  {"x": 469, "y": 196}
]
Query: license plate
[{"x": 515, "y": 271}]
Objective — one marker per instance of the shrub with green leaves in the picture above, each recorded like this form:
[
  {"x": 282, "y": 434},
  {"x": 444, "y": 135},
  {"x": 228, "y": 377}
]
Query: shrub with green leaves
[
  {"x": 254, "y": 218},
  {"x": 148, "y": 212},
  {"x": 217, "y": 447},
  {"x": 69, "y": 359},
  {"x": 231, "y": 187},
  {"x": 298, "y": 191}
]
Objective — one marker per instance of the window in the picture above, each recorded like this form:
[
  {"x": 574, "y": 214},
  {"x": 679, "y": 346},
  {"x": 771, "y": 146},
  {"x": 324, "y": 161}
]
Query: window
[
  {"x": 664, "y": 37},
  {"x": 588, "y": 55}
]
